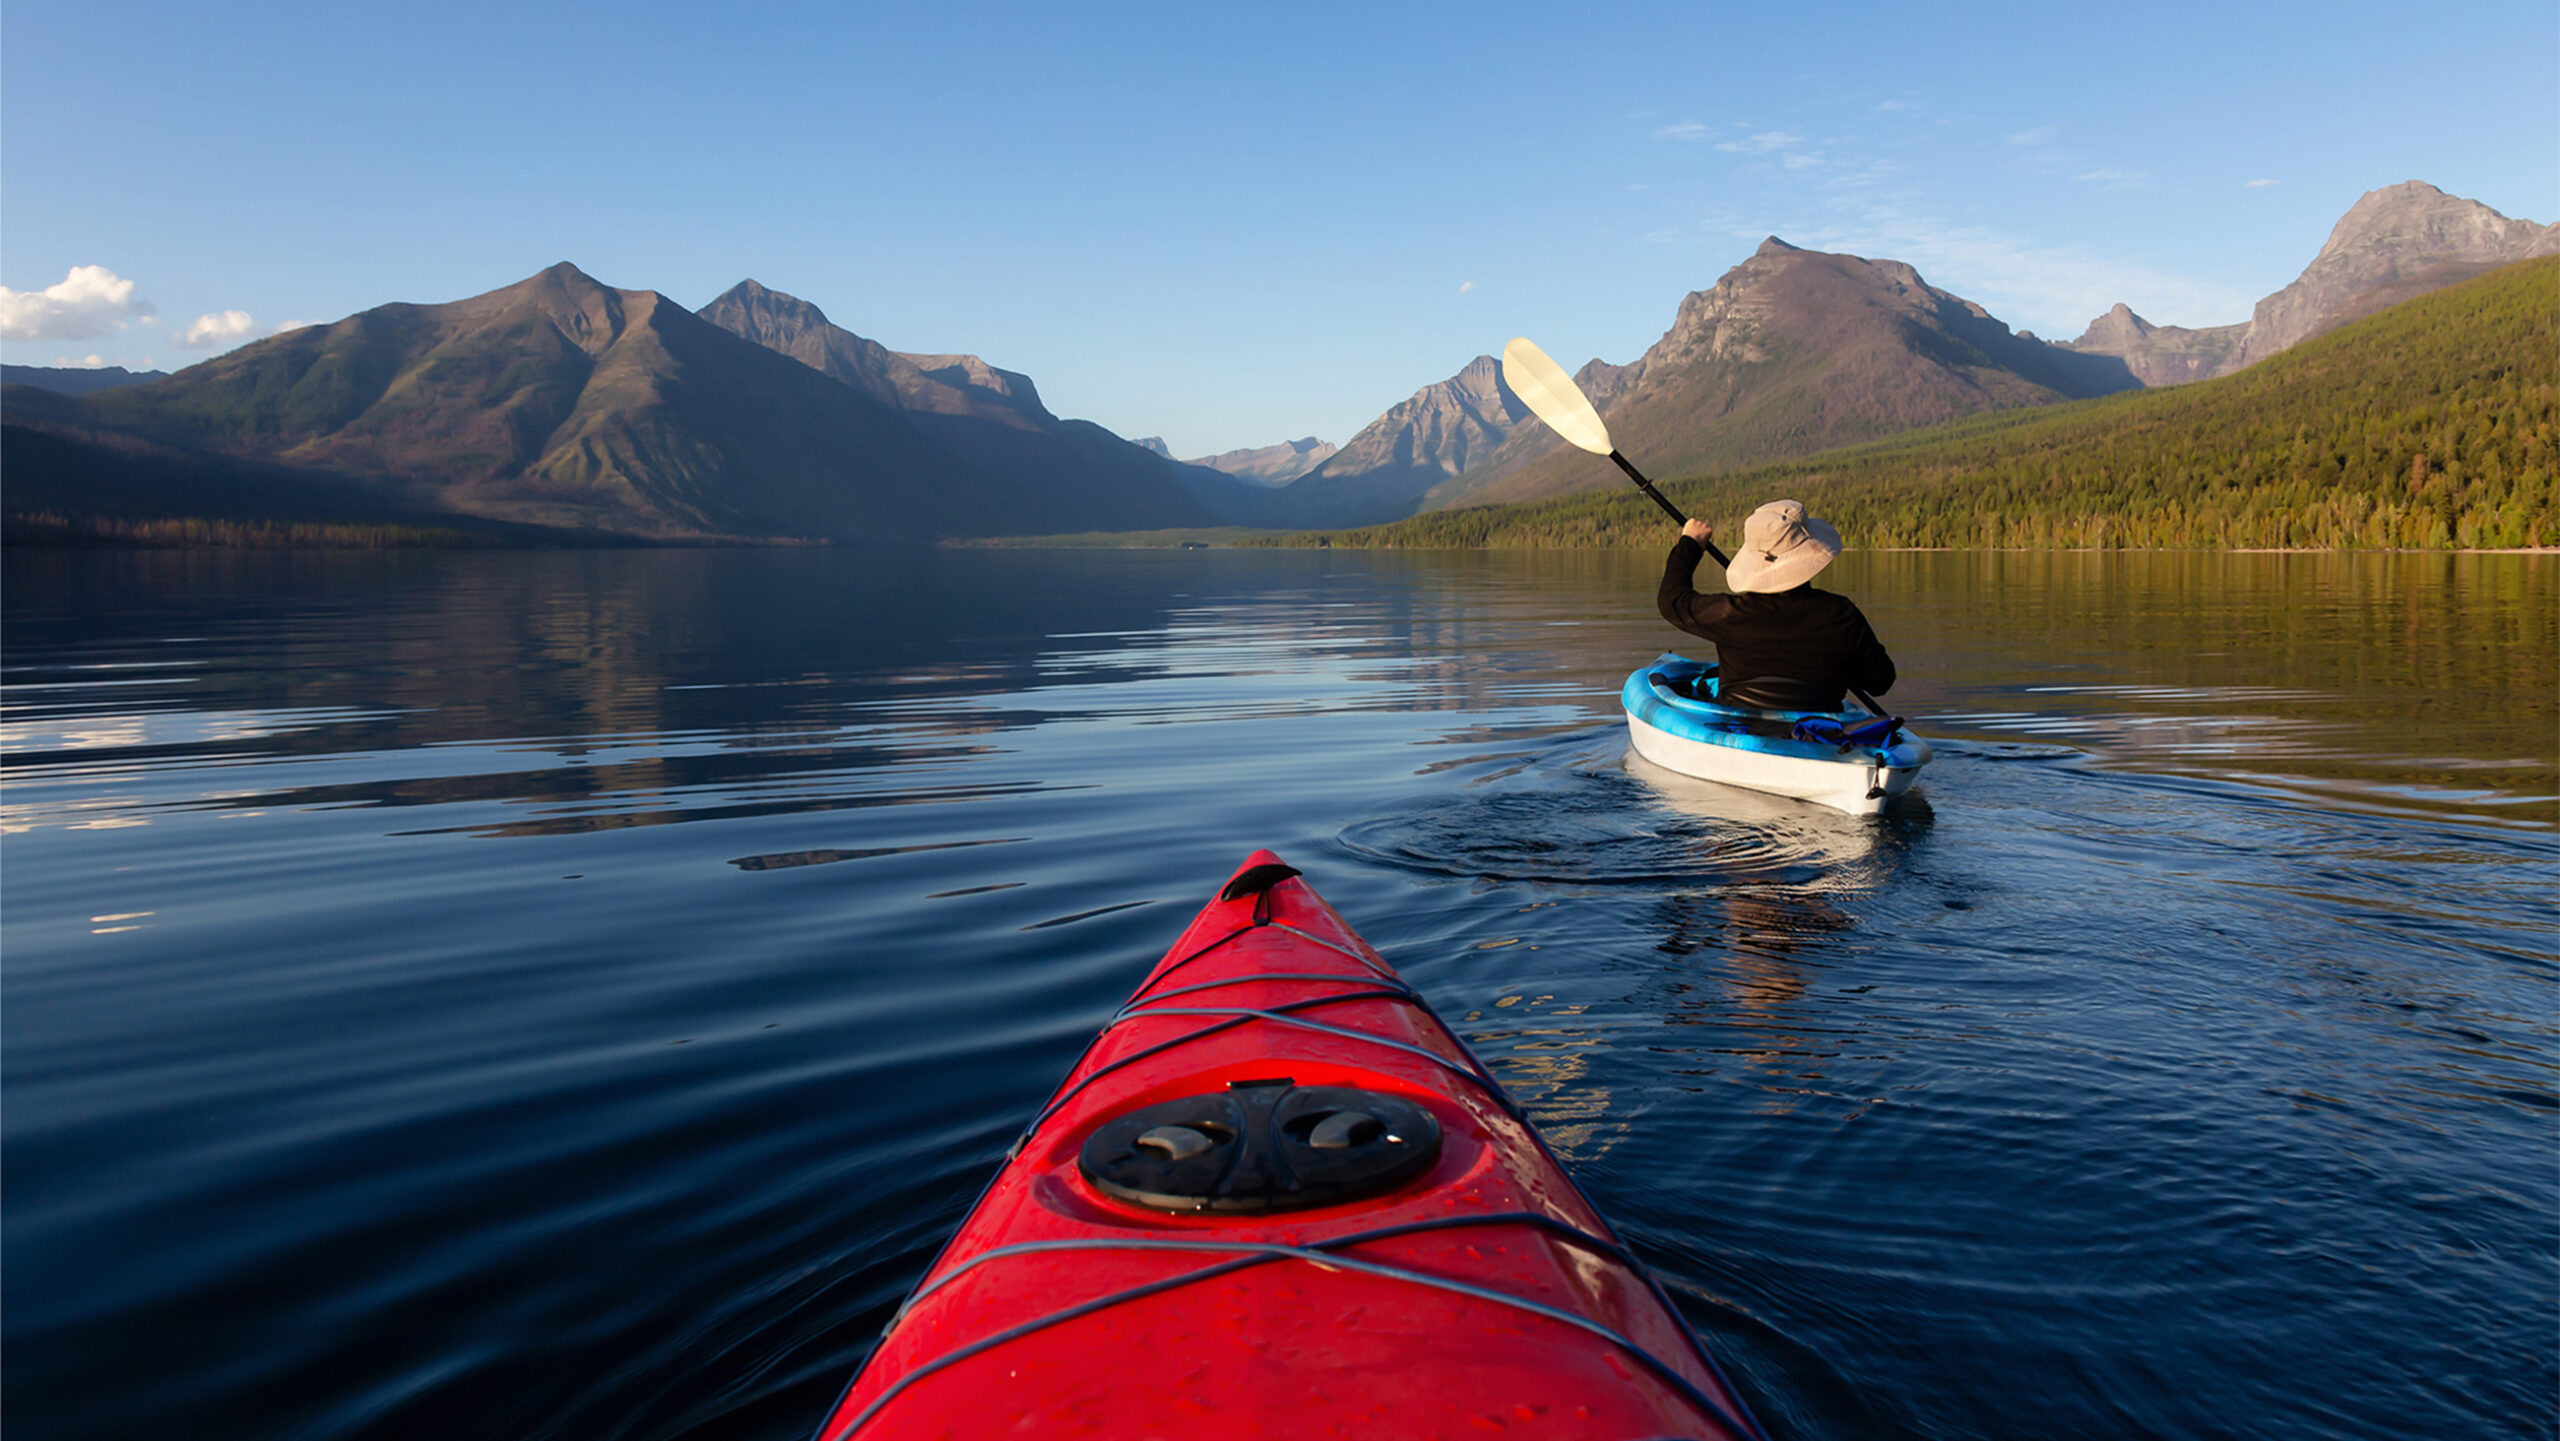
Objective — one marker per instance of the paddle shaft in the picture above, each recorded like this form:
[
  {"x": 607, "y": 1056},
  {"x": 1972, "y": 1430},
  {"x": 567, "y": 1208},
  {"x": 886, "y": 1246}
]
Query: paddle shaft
[
  {"x": 1646, "y": 486},
  {"x": 1659, "y": 499},
  {"x": 1673, "y": 511}
]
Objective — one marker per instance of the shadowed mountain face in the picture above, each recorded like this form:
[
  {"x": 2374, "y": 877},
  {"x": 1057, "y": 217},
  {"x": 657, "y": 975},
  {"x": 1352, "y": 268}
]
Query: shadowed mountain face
[
  {"x": 942, "y": 384},
  {"x": 1067, "y": 474},
  {"x": 1791, "y": 352},
  {"x": 2394, "y": 244},
  {"x": 561, "y": 402}
]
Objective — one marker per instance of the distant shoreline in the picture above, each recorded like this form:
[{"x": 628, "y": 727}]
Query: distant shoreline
[
  {"x": 42, "y": 532},
  {"x": 416, "y": 542}
]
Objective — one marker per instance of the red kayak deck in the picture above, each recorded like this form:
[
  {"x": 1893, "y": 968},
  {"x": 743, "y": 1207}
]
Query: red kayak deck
[{"x": 1478, "y": 1295}]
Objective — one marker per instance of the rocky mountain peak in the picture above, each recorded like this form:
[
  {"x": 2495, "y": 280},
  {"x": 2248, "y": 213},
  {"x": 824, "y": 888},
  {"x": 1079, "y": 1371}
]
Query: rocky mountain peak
[
  {"x": 2393, "y": 243},
  {"x": 1437, "y": 432},
  {"x": 2414, "y": 217},
  {"x": 1269, "y": 464},
  {"x": 1789, "y": 351},
  {"x": 1481, "y": 382},
  {"x": 591, "y": 314},
  {"x": 762, "y": 308},
  {"x": 971, "y": 373},
  {"x": 2110, "y": 332},
  {"x": 951, "y": 384},
  {"x": 783, "y": 322},
  {"x": 1783, "y": 283}
]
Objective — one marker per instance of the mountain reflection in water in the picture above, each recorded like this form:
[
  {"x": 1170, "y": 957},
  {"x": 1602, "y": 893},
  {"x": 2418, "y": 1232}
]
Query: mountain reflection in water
[{"x": 571, "y": 995}]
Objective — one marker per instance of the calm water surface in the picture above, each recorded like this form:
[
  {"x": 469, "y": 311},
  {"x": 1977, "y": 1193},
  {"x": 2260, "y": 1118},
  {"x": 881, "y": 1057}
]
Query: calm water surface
[{"x": 570, "y": 996}]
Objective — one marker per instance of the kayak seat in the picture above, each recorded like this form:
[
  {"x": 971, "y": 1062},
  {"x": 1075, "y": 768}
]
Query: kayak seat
[{"x": 1777, "y": 692}]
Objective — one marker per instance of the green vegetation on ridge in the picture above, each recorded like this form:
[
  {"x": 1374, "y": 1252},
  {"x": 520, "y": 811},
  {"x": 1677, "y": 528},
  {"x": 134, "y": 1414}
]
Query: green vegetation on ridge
[
  {"x": 51, "y": 528},
  {"x": 2432, "y": 425}
]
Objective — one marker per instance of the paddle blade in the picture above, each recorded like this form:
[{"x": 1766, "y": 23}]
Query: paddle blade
[{"x": 1543, "y": 386}]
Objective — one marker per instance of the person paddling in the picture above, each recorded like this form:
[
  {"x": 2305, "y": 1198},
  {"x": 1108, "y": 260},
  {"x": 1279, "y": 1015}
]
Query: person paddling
[{"x": 1780, "y": 643}]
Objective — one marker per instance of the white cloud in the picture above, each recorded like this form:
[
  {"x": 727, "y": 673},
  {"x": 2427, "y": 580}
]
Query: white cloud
[
  {"x": 1465, "y": 285},
  {"x": 1897, "y": 105},
  {"x": 86, "y": 362},
  {"x": 1761, "y": 143},
  {"x": 2041, "y": 135},
  {"x": 1800, "y": 162},
  {"x": 2114, "y": 179},
  {"x": 217, "y": 328},
  {"x": 2263, "y": 184},
  {"x": 1685, "y": 130},
  {"x": 90, "y": 302}
]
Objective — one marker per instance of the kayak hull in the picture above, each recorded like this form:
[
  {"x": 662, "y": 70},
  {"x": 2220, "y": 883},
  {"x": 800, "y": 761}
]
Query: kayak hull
[
  {"x": 1482, "y": 1293},
  {"x": 1676, "y": 730}
]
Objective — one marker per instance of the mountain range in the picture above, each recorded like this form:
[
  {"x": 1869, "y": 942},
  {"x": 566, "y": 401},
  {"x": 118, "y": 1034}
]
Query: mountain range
[
  {"x": 1795, "y": 351},
  {"x": 555, "y": 402},
  {"x": 2428, "y": 425},
  {"x": 2395, "y": 243},
  {"x": 564, "y": 404},
  {"x": 1791, "y": 352}
]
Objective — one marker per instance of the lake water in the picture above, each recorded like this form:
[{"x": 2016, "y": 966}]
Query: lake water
[{"x": 571, "y": 995}]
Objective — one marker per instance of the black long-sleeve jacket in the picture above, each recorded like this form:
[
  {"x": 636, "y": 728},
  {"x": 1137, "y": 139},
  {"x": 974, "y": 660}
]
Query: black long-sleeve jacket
[{"x": 1813, "y": 638}]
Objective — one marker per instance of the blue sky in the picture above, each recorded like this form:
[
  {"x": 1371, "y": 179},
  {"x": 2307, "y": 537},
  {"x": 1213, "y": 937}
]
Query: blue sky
[{"x": 1228, "y": 225}]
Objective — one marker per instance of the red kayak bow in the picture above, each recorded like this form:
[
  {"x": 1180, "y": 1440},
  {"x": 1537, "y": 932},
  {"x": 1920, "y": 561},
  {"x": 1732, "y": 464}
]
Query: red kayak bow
[{"x": 1278, "y": 1198}]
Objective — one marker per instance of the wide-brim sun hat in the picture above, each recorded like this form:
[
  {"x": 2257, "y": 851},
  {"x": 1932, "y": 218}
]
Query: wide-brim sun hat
[{"x": 1782, "y": 548}]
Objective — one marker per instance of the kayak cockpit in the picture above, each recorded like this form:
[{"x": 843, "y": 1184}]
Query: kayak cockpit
[{"x": 1849, "y": 760}]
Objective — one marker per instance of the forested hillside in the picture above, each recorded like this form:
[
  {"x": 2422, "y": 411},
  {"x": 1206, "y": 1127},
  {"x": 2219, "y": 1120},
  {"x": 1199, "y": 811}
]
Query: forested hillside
[{"x": 2428, "y": 426}]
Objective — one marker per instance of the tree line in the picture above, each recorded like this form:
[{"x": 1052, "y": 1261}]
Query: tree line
[{"x": 52, "y": 528}]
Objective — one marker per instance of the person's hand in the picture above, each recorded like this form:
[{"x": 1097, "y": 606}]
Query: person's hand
[{"x": 1697, "y": 529}]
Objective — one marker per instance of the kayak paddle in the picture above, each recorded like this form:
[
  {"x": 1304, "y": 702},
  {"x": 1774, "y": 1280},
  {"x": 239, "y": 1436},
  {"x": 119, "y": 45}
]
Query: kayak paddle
[{"x": 1552, "y": 396}]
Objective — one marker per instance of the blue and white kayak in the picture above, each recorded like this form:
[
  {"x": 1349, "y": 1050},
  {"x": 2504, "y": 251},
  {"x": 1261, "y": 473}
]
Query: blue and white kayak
[{"x": 1847, "y": 760}]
